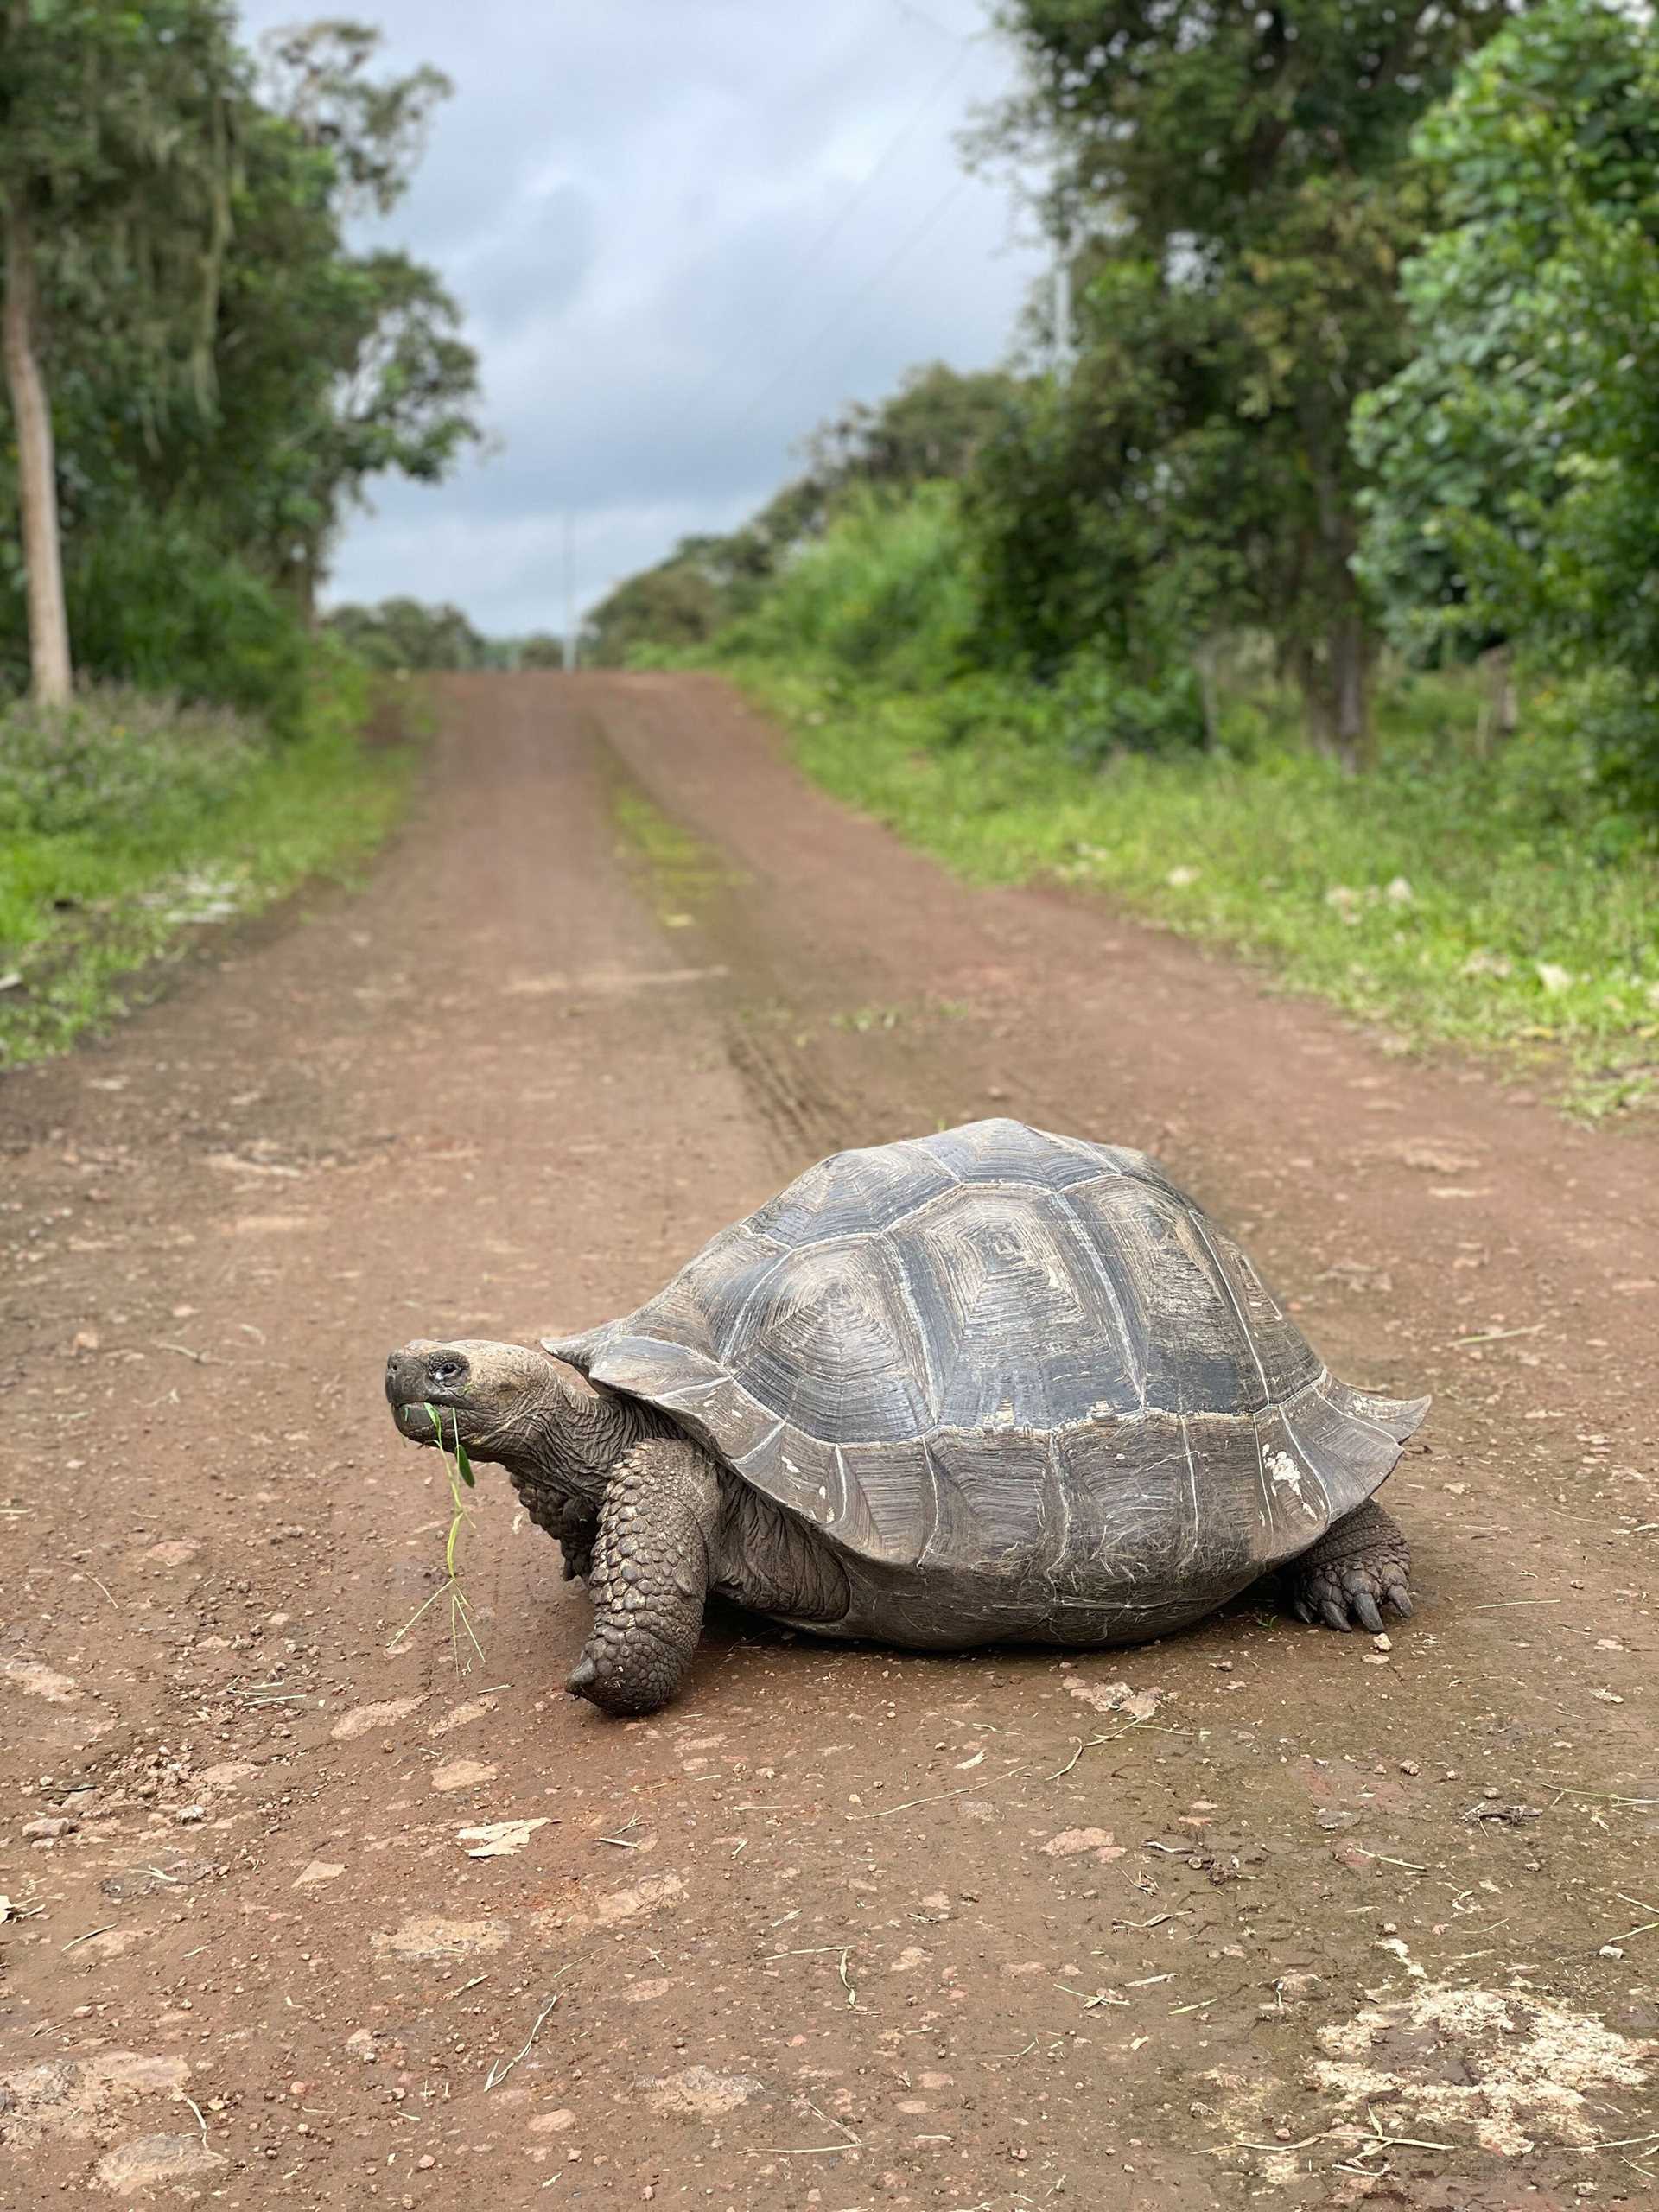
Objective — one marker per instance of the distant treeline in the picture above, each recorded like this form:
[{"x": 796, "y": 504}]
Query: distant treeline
[
  {"x": 410, "y": 635},
  {"x": 1364, "y": 354}
]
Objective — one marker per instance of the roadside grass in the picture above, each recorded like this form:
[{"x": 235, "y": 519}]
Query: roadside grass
[
  {"x": 128, "y": 823},
  {"x": 1491, "y": 905}
]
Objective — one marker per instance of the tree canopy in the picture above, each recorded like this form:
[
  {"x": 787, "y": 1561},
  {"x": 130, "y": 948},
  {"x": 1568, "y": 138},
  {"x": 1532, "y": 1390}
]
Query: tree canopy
[
  {"x": 1517, "y": 453},
  {"x": 1234, "y": 188},
  {"x": 228, "y": 374}
]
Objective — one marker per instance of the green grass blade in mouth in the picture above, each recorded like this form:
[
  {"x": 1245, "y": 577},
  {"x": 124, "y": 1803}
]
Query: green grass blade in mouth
[{"x": 460, "y": 1470}]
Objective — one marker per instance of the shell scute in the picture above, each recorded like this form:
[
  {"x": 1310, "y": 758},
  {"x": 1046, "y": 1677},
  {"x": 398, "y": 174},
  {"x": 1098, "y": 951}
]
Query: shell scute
[{"x": 1021, "y": 1331}]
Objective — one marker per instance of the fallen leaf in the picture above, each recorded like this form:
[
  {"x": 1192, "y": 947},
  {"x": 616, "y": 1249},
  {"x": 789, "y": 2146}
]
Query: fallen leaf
[
  {"x": 499, "y": 1838},
  {"x": 1116, "y": 1697}
]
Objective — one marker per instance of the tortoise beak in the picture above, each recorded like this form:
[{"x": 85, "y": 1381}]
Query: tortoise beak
[
  {"x": 405, "y": 1378},
  {"x": 407, "y": 1394}
]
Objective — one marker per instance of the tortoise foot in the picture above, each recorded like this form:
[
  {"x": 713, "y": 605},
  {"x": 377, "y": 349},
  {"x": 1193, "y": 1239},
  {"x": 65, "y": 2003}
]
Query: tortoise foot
[{"x": 1352, "y": 1573}]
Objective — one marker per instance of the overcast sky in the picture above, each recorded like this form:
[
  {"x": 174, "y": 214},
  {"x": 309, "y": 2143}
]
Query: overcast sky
[{"x": 683, "y": 232}]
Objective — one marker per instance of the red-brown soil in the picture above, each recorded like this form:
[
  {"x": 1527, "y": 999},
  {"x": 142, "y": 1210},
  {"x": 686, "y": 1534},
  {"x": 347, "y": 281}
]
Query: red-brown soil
[{"x": 1293, "y": 1920}]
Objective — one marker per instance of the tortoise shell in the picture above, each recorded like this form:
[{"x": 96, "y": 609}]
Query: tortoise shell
[{"x": 998, "y": 1350}]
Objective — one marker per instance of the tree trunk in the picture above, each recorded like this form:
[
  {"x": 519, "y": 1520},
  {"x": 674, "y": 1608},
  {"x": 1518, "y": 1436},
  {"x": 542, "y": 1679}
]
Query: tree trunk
[
  {"x": 1349, "y": 654},
  {"x": 1498, "y": 713},
  {"x": 1334, "y": 678},
  {"x": 1204, "y": 657},
  {"x": 37, "y": 485},
  {"x": 1343, "y": 718}
]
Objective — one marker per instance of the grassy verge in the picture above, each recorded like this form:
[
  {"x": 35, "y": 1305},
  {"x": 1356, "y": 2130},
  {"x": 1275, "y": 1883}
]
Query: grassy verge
[
  {"x": 1486, "y": 904},
  {"x": 129, "y": 823}
]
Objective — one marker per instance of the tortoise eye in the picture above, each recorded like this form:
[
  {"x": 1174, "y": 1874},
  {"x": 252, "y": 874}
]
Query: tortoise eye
[{"x": 446, "y": 1371}]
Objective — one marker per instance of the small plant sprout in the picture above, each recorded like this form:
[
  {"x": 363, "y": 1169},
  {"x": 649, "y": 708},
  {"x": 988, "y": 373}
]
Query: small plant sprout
[{"x": 460, "y": 1471}]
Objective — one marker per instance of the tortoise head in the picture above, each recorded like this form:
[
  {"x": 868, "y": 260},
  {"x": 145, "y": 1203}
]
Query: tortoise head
[{"x": 496, "y": 1398}]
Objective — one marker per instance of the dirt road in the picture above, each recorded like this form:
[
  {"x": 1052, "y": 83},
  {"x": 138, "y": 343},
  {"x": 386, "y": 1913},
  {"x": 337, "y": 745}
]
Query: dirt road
[{"x": 1289, "y": 1919}]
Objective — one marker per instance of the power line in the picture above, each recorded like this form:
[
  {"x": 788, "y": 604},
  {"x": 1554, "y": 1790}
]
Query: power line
[
  {"x": 837, "y": 321},
  {"x": 816, "y": 251},
  {"x": 921, "y": 15}
]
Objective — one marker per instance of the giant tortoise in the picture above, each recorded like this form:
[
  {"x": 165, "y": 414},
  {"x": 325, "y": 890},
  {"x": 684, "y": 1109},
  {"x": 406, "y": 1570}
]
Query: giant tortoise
[{"x": 989, "y": 1386}]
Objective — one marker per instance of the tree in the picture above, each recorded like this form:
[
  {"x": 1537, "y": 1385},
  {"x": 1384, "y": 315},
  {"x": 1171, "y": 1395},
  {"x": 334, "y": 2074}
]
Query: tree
[
  {"x": 935, "y": 425},
  {"x": 1233, "y": 186},
  {"x": 333, "y": 367},
  {"x": 1516, "y": 455},
  {"x": 231, "y": 426},
  {"x": 674, "y": 605},
  {"x": 116, "y": 153}
]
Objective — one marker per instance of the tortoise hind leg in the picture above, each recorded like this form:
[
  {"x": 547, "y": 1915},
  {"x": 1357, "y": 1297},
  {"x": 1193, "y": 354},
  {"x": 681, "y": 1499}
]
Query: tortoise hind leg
[
  {"x": 1357, "y": 1568},
  {"x": 649, "y": 1576}
]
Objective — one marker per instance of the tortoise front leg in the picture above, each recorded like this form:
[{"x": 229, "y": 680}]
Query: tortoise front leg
[{"x": 650, "y": 1576}]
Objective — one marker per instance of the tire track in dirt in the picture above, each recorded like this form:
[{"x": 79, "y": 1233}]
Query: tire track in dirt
[{"x": 844, "y": 1927}]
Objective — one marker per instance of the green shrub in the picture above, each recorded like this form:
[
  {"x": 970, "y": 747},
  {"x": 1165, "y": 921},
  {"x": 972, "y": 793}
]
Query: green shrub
[
  {"x": 1095, "y": 711},
  {"x": 887, "y": 591},
  {"x": 117, "y": 758},
  {"x": 125, "y": 820},
  {"x": 150, "y": 605}
]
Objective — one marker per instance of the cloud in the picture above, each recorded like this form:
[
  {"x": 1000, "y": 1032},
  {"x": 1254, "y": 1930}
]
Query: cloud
[{"x": 683, "y": 233}]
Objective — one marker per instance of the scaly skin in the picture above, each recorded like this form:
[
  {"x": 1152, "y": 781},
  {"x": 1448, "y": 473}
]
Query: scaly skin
[
  {"x": 1356, "y": 1568},
  {"x": 651, "y": 1573}
]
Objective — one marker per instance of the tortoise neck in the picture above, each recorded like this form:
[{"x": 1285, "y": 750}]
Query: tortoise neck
[{"x": 573, "y": 1437}]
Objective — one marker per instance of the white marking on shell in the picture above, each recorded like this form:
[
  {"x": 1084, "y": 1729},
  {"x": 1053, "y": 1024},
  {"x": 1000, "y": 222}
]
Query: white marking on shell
[
  {"x": 1321, "y": 1509},
  {"x": 935, "y": 1532},
  {"x": 1190, "y": 1546},
  {"x": 1287, "y": 1475}
]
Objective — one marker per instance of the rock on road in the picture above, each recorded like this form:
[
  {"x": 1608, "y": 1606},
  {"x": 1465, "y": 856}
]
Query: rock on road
[{"x": 1262, "y": 1914}]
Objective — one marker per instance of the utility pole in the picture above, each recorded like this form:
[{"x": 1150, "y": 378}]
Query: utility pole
[{"x": 569, "y": 596}]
